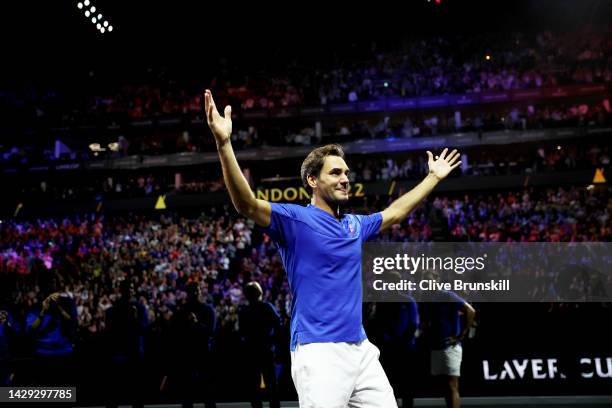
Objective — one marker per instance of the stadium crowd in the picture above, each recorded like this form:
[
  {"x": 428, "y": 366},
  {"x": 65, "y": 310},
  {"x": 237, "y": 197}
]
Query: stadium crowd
[
  {"x": 424, "y": 66},
  {"x": 222, "y": 252},
  {"x": 123, "y": 287}
]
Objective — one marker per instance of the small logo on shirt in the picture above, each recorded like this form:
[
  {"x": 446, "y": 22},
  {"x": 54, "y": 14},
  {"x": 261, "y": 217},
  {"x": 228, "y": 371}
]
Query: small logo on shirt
[{"x": 351, "y": 229}]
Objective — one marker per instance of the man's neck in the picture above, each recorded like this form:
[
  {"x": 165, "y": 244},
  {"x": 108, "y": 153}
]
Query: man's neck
[{"x": 325, "y": 206}]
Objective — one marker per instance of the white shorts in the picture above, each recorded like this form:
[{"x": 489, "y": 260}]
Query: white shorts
[
  {"x": 447, "y": 361},
  {"x": 340, "y": 375}
]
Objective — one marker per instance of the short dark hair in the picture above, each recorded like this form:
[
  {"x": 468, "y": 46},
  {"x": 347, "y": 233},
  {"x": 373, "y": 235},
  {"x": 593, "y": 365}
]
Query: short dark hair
[
  {"x": 253, "y": 291},
  {"x": 313, "y": 163}
]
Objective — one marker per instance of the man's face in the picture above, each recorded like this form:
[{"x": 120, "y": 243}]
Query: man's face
[{"x": 333, "y": 183}]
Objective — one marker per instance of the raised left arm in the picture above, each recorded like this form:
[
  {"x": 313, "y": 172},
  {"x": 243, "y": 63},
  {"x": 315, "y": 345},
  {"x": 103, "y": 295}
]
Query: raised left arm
[{"x": 438, "y": 170}]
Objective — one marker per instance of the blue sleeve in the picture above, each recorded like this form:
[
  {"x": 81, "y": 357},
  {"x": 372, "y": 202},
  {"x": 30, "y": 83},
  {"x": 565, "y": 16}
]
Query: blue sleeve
[
  {"x": 413, "y": 313},
  {"x": 30, "y": 318},
  {"x": 144, "y": 317},
  {"x": 370, "y": 225},
  {"x": 282, "y": 223}
]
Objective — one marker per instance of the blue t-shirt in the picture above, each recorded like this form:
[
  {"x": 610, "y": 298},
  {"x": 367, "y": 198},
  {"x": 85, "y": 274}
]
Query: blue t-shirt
[
  {"x": 49, "y": 338},
  {"x": 322, "y": 257},
  {"x": 443, "y": 318},
  {"x": 398, "y": 322}
]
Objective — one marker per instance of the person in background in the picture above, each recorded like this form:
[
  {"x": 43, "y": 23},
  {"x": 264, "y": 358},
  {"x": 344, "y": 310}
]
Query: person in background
[
  {"x": 395, "y": 325},
  {"x": 6, "y": 332},
  {"x": 52, "y": 330},
  {"x": 126, "y": 322},
  {"x": 259, "y": 323},
  {"x": 445, "y": 331},
  {"x": 194, "y": 327}
]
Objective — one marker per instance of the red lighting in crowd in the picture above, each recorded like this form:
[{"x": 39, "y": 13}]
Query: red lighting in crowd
[{"x": 438, "y": 1}]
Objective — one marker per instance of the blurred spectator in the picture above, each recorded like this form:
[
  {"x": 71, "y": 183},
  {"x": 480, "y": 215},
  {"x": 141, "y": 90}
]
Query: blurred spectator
[
  {"x": 52, "y": 329},
  {"x": 194, "y": 329},
  {"x": 259, "y": 324},
  {"x": 6, "y": 329},
  {"x": 126, "y": 321}
]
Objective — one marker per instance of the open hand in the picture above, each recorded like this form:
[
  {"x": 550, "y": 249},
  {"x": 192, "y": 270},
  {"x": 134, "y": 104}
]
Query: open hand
[
  {"x": 220, "y": 126},
  {"x": 46, "y": 304},
  {"x": 443, "y": 164}
]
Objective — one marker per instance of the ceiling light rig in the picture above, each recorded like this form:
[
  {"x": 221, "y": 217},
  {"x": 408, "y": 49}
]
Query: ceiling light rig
[{"x": 102, "y": 25}]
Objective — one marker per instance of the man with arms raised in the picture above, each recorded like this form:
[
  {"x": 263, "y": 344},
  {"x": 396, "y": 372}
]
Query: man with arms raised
[{"x": 333, "y": 363}]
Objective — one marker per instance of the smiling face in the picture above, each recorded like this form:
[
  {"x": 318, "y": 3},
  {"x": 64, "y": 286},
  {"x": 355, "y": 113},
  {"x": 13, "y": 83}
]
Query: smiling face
[{"x": 332, "y": 183}]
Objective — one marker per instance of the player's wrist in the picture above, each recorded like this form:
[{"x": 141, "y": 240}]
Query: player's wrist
[
  {"x": 222, "y": 142},
  {"x": 433, "y": 177}
]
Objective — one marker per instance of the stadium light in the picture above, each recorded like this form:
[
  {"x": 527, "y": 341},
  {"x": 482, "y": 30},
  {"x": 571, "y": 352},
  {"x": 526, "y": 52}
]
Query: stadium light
[
  {"x": 90, "y": 13},
  {"x": 488, "y": 57}
]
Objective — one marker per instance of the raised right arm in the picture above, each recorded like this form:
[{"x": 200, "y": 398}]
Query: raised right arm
[{"x": 242, "y": 197}]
